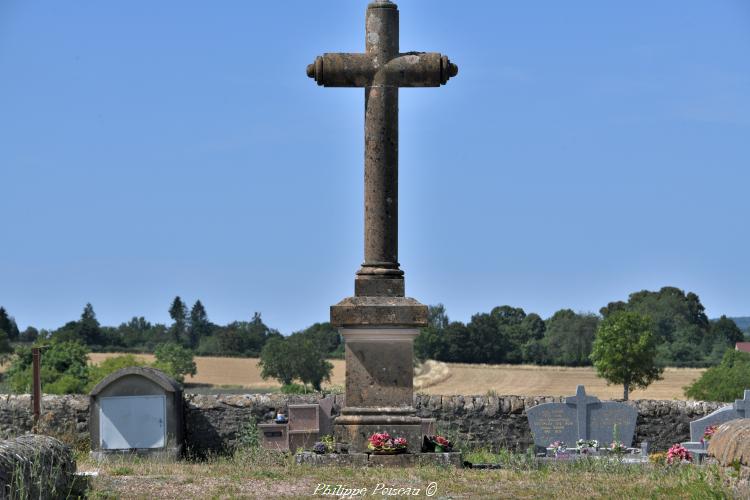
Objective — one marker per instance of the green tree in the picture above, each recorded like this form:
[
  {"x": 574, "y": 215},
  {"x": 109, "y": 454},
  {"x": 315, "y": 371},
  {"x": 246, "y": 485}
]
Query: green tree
[
  {"x": 727, "y": 330},
  {"x": 429, "y": 344},
  {"x": 723, "y": 382},
  {"x": 625, "y": 351},
  {"x": 296, "y": 357},
  {"x": 178, "y": 313},
  {"x": 30, "y": 334},
  {"x": 310, "y": 361},
  {"x": 109, "y": 366},
  {"x": 276, "y": 361},
  {"x": 199, "y": 325},
  {"x": 325, "y": 336},
  {"x": 89, "y": 329},
  {"x": 63, "y": 369},
  {"x": 8, "y": 325},
  {"x": 175, "y": 360},
  {"x": 570, "y": 337},
  {"x": 5, "y": 348}
]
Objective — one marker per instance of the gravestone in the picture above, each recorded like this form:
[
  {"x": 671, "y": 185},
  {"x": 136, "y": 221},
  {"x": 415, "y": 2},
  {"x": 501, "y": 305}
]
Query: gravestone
[
  {"x": 379, "y": 323},
  {"x": 731, "y": 412},
  {"x": 274, "y": 436},
  {"x": 582, "y": 417},
  {"x": 304, "y": 426},
  {"x": 136, "y": 409}
]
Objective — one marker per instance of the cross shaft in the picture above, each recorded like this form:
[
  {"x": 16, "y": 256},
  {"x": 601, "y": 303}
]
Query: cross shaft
[{"x": 381, "y": 70}]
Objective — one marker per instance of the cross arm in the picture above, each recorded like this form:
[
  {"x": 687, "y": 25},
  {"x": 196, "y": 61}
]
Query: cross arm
[{"x": 411, "y": 69}]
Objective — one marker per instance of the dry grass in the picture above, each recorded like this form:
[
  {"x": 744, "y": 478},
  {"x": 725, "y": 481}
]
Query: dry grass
[
  {"x": 454, "y": 378},
  {"x": 553, "y": 381},
  {"x": 243, "y": 477},
  {"x": 243, "y": 372}
]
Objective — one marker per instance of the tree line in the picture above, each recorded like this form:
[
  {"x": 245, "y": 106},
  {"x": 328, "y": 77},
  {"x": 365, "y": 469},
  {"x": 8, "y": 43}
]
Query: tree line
[
  {"x": 683, "y": 333},
  {"x": 190, "y": 329}
]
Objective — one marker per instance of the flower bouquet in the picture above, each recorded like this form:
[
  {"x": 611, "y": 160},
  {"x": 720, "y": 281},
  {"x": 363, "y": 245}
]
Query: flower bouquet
[
  {"x": 708, "y": 434},
  {"x": 440, "y": 444},
  {"x": 381, "y": 443},
  {"x": 679, "y": 454},
  {"x": 617, "y": 447},
  {"x": 557, "y": 448},
  {"x": 587, "y": 446}
]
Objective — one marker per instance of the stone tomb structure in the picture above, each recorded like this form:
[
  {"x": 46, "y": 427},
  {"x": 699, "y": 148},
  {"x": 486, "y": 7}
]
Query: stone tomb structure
[
  {"x": 306, "y": 424},
  {"x": 379, "y": 323},
  {"x": 582, "y": 417},
  {"x": 731, "y": 412},
  {"x": 139, "y": 410}
]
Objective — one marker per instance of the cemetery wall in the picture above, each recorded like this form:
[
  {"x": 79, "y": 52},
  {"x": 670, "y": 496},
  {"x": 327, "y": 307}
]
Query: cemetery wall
[{"x": 214, "y": 423}]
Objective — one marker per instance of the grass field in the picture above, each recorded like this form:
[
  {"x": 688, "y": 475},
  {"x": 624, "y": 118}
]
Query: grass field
[
  {"x": 257, "y": 475},
  {"x": 463, "y": 379}
]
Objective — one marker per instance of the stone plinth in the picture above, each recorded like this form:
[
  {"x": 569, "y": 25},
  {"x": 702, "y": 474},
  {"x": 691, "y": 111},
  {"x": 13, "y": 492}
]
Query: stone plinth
[{"x": 379, "y": 386}]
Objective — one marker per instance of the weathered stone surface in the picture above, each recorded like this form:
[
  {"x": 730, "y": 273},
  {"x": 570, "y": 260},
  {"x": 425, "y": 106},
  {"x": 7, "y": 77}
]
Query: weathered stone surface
[
  {"x": 42, "y": 464},
  {"x": 731, "y": 443},
  {"x": 730, "y": 412},
  {"x": 379, "y": 373},
  {"x": 212, "y": 423},
  {"x": 412, "y": 460},
  {"x": 379, "y": 312}
]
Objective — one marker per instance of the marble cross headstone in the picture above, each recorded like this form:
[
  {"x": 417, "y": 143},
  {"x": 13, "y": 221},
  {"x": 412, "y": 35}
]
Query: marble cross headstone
[
  {"x": 734, "y": 411},
  {"x": 581, "y": 401},
  {"x": 582, "y": 417}
]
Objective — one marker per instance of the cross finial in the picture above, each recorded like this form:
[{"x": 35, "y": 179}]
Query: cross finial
[
  {"x": 742, "y": 405},
  {"x": 581, "y": 401}
]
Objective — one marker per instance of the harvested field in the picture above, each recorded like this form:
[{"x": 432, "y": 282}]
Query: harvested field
[
  {"x": 526, "y": 380},
  {"x": 243, "y": 372},
  {"x": 459, "y": 379}
]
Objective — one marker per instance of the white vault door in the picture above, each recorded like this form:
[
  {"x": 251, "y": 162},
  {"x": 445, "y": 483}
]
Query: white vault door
[{"x": 132, "y": 422}]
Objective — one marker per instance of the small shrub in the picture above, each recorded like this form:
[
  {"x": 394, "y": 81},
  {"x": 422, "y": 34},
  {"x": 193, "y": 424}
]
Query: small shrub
[
  {"x": 248, "y": 437},
  {"x": 294, "y": 389}
]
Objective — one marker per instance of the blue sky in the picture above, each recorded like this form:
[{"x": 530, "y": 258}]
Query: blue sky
[{"x": 586, "y": 150}]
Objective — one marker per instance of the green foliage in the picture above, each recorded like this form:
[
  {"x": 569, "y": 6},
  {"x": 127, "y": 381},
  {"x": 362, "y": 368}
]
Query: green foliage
[
  {"x": 724, "y": 382},
  {"x": 275, "y": 361},
  {"x": 678, "y": 320},
  {"x": 110, "y": 365},
  {"x": 8, "y": 325},
  {"x": 569, "y": 337},
  {"x": 294, "y": 389},
  {"x": 64, "y": 368},
  {"x": 625, "y": 351},
  {"x": 175, "y": 360},
  {"x": 296, "y": 357},
  {"x": 5, "y": 348},
  {"x": 725, "y": 329},
  {"x": 248, "y": 437},
  {"x": 178, "y": 313},
  {"x": 245, "y": 338},
  {"x": 31, "y": 334},
  {"x": 200, "y": 327}
]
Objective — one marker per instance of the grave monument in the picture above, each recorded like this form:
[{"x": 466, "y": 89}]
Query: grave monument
[
  {"x": 379, "y": 323},
  {"x": 582, "y": 417},
  {"x": 730, "y": 412}
]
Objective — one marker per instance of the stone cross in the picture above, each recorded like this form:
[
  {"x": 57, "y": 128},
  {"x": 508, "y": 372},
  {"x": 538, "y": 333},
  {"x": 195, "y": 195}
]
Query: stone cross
[
  {"x": 381, "y": 70},
  {"x": 742, "y": 405},
  {"x": 379, "y": 323},
  {"x": 581, "y": 401}
]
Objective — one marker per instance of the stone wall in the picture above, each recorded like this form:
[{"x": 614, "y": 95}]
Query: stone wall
[{"x": 213, "y": 423}]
